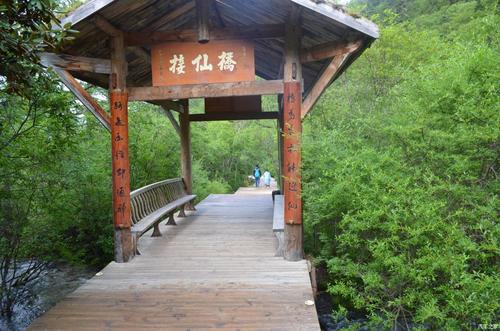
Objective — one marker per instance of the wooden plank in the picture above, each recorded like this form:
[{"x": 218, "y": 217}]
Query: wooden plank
[
  {"x": 322, "y": 83},
  {"x": 75, "y": 63},
  {"x": 250, "y": 103},
  {"x": 233, "y": 116},
  {"x": 193, "y": 63},
  {"x": 146, "y": 38},
  {"x": 265, "y": 87},
  {"x": 328, "y": 50},
  {"x": 215, "y": 270},
  {"x": 84, "y": 97},
  {"x": 202, "y": 19},
  {"x": 360, "y": 24}
]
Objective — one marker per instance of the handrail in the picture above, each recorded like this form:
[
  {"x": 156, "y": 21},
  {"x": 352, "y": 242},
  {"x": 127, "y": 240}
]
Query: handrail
[
  {"x": 134, "y": 193},
  {"x": 152, "y": 197}
]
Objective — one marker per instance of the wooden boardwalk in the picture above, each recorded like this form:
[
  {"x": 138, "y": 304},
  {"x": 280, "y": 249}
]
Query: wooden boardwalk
[{"x": 215, "y": 270}]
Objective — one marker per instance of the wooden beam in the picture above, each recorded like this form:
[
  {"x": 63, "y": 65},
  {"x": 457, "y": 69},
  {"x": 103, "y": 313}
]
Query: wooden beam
[
  {"x": 203, "y": 20},
  {"x": 327, "y": 51},
  {"x": 266, "y": 31},
  {"x": 172, "y": 120},
  {"x": 265, "y": 87},
  {"x": 233, "y": 116},
  {"x": 84, "y": 97},
  {"x": 141, "y": 53},
  {"x": 168, "y": 104},
  {"x": 322, "y": 83},
  {"x": 75, "y": 63},
  {"x": 107, "y": 27}
]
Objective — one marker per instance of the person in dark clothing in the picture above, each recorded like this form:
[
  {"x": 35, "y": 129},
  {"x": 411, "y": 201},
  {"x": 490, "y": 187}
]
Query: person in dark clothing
[{"x": 257, "y": 175}]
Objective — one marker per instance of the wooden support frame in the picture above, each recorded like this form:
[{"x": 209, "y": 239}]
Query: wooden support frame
[
  {"x": 233, "y": 116},
  {"x": 266, "y": 31},
  {"x": 125, "y": 245},
  {"x": 322, "y": 83},
  {"x": 75, "y": 63},
  {"x": 264, "y": 87},
  {"x": 84, "y": 97}
]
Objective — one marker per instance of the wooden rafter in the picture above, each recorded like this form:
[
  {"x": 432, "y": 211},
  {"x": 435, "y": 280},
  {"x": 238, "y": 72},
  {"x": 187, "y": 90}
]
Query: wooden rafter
[
  {"x": 84, "y": 97},
  {"x": 233, "y": 116},
  {"x": 171, "y": 16},
  {"x": 266, "y": 87},
  {"x": 327, "y": 51},
  {"x": 265, "y": 31},
  {"x": 75, "y": 63}
]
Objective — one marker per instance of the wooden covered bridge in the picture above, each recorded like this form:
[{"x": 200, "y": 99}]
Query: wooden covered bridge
[{"x": 222, "y": 266}]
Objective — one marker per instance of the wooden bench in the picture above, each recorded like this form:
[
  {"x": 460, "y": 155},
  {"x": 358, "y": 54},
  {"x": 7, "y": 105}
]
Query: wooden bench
[
  {"x": 279, "y": 223},
  {"x": 150, "y": 205}
]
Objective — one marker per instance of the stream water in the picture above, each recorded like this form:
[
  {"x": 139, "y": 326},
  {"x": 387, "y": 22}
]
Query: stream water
[{"x": 55, "y": 282}]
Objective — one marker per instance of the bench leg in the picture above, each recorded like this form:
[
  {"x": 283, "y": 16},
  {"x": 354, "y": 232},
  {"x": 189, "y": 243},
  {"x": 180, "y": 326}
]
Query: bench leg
[
  {"x": 156, "y": 230},
  {"x": 190, "y": 206},
  {"x": 280, "y": 243},
  {"x": 182, "y": 212},
  {"x": 171, "y": 219},
  {"x": 136, "y": 247}
]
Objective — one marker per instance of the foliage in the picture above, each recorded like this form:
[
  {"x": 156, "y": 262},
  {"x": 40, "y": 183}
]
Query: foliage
[
  {"x": 401, "y": 193},
  {"x": 26, "y": 28}
]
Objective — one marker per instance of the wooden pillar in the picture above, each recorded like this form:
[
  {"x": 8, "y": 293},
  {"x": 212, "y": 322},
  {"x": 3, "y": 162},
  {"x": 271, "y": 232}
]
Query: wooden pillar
[
  {"x": 186, "y": 159},
  {"x": 124, "y": 242},
  {"x": 292, "y": 131}
]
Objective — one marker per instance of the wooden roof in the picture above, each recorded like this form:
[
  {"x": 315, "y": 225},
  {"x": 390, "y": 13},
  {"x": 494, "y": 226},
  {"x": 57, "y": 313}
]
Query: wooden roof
[{"x": 321, "y": 23}]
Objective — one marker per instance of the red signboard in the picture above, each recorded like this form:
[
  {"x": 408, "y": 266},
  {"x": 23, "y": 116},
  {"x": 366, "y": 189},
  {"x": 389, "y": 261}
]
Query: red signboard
[{"x": 224, "y": 61}]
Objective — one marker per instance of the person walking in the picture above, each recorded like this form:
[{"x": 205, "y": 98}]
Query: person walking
[
  {"x": 256, "y": 175},
  {"x": 267, "y": 178}
]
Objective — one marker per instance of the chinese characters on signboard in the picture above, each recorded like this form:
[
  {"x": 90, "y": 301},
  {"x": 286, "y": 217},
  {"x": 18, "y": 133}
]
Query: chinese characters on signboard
[{"x": 180, "y": 63}]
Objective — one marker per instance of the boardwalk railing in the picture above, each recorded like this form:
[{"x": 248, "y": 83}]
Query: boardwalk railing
[{"x": 151, "y": 203}]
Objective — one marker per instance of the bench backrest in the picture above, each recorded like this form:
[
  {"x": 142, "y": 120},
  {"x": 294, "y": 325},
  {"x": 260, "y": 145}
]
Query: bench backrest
[{"x": 149, "y": 198}]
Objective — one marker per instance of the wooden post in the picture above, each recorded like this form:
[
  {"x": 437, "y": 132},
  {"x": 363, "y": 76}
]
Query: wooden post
[
  {"x": 292, "y": 131},
  {"x": 118, "y": 96},
  {"x": 186, "y": 150},
  {"x": 202, "y": 13}
]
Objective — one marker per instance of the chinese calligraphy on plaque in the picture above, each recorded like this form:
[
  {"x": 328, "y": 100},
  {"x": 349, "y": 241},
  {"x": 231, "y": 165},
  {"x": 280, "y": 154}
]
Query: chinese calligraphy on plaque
[{"x": 180, "y": 63}]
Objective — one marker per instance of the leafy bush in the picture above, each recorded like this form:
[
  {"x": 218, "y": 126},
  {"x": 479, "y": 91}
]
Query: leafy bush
[{"x": 401, "y": 193}]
